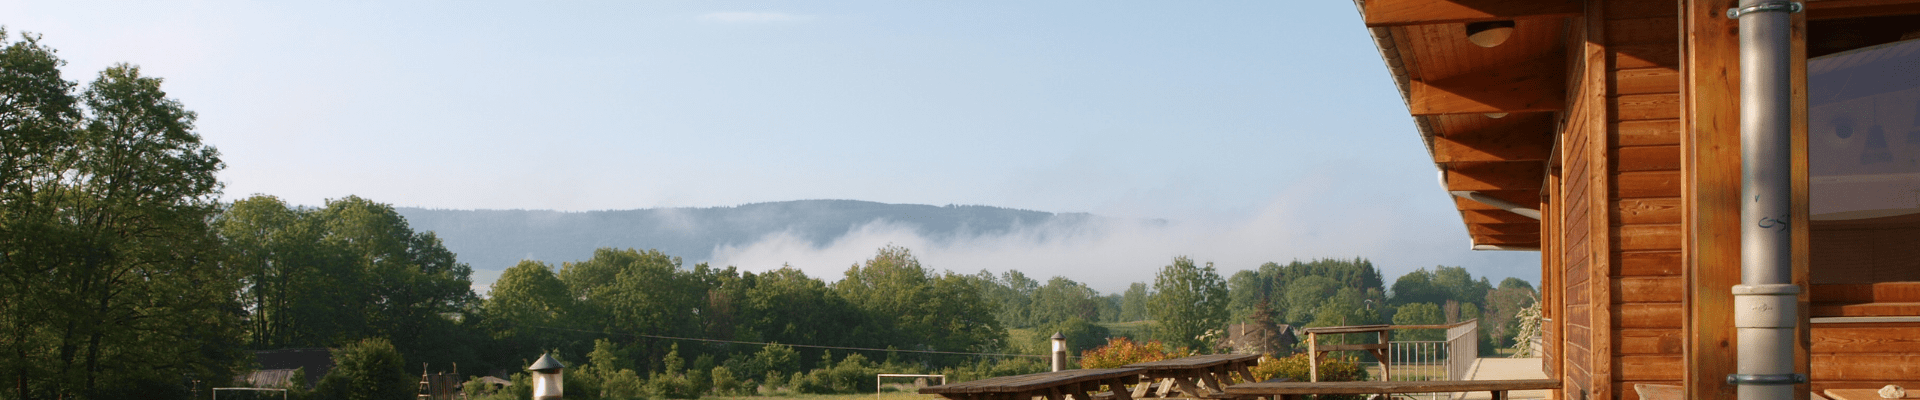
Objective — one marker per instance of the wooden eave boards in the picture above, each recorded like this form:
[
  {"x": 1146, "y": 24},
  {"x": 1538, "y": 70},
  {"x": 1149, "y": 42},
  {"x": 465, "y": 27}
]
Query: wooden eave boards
[{"x": 1489, "y": 112}]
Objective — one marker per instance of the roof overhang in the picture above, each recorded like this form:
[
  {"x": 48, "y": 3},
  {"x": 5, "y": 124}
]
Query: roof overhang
[{"x": 1486, "y": 114}]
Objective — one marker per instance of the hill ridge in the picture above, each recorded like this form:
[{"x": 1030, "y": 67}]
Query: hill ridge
[{"x": 494, "y": 239}]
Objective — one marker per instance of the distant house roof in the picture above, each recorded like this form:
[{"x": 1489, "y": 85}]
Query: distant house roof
[
  {"x": 316, "y": 362},
  {"x": 266, "y": 378}
]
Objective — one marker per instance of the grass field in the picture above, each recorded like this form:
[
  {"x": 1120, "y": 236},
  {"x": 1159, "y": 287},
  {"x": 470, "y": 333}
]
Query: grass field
[
  {"x": 868, "y": 396},
  {"x": 892, "y": 392},
  {"x": 1135, "y": 329}
]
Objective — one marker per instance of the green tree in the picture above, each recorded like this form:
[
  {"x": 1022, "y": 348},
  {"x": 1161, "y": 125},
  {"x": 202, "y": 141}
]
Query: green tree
[
  {"x": 1419, "y": 314},
  {"x": 1418, "y": 287},
  {"x": 1133, "y": 303},
  {"x": 787, "y": 306},
  {"x": 637, "y": 291},
  {"x": 295, "y": 285},
  {"x": 1305, "y": 296},
  {"x": 1503, "y": 308},
  {"x": 523, "y": 306},
  {"x": 106, "y": 261},
  {"x": 1187, "y": 302},
  {"x": 368, "y": 370},
  {"x": 1082, "y": 335},
  {"x": 1063, "y": 299},
  {"x": 1515, "y": 283},
  {"x": 921, "y": 309}
]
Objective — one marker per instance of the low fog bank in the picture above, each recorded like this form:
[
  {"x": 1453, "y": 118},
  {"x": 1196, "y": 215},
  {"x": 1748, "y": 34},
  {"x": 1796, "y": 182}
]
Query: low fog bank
[
  {"x": 1106, "y": 250},
  {"x": 1110, "y": 253}
]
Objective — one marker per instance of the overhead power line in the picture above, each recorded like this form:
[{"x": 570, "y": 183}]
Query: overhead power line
[{"x": 815, "y": 346}]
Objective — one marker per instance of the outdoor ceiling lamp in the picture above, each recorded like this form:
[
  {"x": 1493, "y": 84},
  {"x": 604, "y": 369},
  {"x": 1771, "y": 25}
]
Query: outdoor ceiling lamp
[
  {"x": 1489, "y": 33},
  {"x": 546, "y": 377}
]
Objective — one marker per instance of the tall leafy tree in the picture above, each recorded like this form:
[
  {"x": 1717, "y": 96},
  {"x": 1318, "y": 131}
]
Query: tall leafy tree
[
  {"x": 1133, "y": 302},
  {"x": 787, "y": 306},
  {"x": 925, "y": 310},
  {"x": 524, "y": 307},
  {"x": 109, "y": 269},
  {"x": 1063, "y": 299},
  {"x": 1188, "y": 301}
]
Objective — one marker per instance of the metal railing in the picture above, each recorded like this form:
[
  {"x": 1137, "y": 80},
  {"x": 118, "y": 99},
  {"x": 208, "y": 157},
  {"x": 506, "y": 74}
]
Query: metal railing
[{"x": 1435, "y": 360}]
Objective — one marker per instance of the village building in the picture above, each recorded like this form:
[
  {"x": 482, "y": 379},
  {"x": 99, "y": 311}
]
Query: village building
[{"x": 1606, "y": 135}]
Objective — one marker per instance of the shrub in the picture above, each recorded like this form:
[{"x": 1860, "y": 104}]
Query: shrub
[
  {"x": 724, "y": 383},
  {"x": 1122, "y": 351},
  {"x": 368, "y": 370},
  {"x": 1333, "y": 368}
]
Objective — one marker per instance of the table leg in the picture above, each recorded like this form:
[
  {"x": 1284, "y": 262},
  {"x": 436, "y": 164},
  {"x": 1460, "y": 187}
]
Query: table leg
[
  {"x": 1119, "y": 389},
  {"x": 1187, "y": 386}
]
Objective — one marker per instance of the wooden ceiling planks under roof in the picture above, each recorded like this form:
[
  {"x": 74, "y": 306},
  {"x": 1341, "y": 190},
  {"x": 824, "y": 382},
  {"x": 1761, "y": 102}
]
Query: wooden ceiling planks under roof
[{"x": 1487, "y": 114}]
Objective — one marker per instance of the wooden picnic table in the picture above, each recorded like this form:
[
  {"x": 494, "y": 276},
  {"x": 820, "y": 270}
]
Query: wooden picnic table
[
  {"x": 1293, "y": 390},
  {"x": 1082, "y": 384},
  {"x": 1196, "y": 377}
]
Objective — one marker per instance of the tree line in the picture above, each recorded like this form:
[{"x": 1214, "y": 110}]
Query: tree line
[{"x": 122, "y": 275}]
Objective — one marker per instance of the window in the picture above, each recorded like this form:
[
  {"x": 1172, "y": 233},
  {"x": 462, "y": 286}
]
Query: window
[{"x": 1863, "y": 151}]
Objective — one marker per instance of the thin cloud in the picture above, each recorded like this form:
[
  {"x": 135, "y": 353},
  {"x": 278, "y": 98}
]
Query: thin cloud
[{"x": 753, "y": 17}]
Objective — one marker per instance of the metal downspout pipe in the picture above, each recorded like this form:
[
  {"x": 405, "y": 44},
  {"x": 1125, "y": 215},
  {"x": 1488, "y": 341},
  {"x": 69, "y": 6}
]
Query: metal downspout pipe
[{"x": 1766, "y": 301}]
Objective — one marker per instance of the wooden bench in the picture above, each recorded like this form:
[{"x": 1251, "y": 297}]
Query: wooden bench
[
  {"x": 1196, "y": 377},
  {"x": 1293, "y": 390},
  {"x": 1082, "y": 384}
]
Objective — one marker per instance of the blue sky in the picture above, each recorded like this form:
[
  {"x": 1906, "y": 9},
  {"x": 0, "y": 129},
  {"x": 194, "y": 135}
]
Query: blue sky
[{"x": 1266, "y": 130}]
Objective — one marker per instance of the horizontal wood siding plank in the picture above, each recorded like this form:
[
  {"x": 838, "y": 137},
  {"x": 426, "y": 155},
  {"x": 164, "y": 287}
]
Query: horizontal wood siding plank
[
  {"x": 1637, "y": 9},
  {"x": 1645, "y": 55},
  {"x": 1645, "y": 184},
  {"x": 1840, "y": 338},
  {"x": 1645, "y": 81},
  {"x": 1637, "y": 107},
  {"x": 1648, "y": 263},
  {"x": 1647, "y": 315},
  {"x": 1661, "y": 30},
  {"x": 1647, "y": 211},
  {"x": 1647, "y": 158},
  {"x": 1647, "y": 368},
  {"x": 1865, "y": 366},
  {"x": 1647, "y": 237},
  {"x": 1647, "y": 341},
  {"x": 1643, "y": 289},
  {"x": 1892, "y": 292},
  {"x": 1865, "y": 310},
  {"x": 1654, "y": 132}
]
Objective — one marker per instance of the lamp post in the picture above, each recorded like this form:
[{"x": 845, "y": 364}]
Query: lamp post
[
  {"x": 1059, "y": 351},
  {"x": 546, "y": 378}
]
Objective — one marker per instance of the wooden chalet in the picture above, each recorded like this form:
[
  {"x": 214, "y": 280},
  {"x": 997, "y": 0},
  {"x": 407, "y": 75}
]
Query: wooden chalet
[{"x": 1604, "y": 135}]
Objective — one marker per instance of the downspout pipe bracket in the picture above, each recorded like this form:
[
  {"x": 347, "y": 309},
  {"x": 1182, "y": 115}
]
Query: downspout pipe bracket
[
  {"x": 1789, "y": 6},
  {"x": 1766, "y": 379}
]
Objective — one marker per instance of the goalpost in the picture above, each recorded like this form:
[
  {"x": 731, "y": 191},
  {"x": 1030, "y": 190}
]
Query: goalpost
[
  {"x": 877, "y": 380},
  {"x": 283, "y": 392}
]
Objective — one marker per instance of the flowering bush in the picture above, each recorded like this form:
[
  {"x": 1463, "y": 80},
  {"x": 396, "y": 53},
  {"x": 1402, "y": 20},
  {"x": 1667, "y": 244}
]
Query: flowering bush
[
  {"x": 1122, "y": 351},
  {"x": 1333, "y": 368}
]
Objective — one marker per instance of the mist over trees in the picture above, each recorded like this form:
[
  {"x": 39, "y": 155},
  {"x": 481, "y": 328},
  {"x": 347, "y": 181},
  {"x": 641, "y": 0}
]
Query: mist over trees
[{"x": 123, "y": 275}]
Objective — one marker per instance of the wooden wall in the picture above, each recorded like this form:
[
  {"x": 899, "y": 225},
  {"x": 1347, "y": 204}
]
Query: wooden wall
[
  {"x": 1617, "y": 233},
  {"x": 1573, "y": 214},
  {"x": 1643, "y": 134}
]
